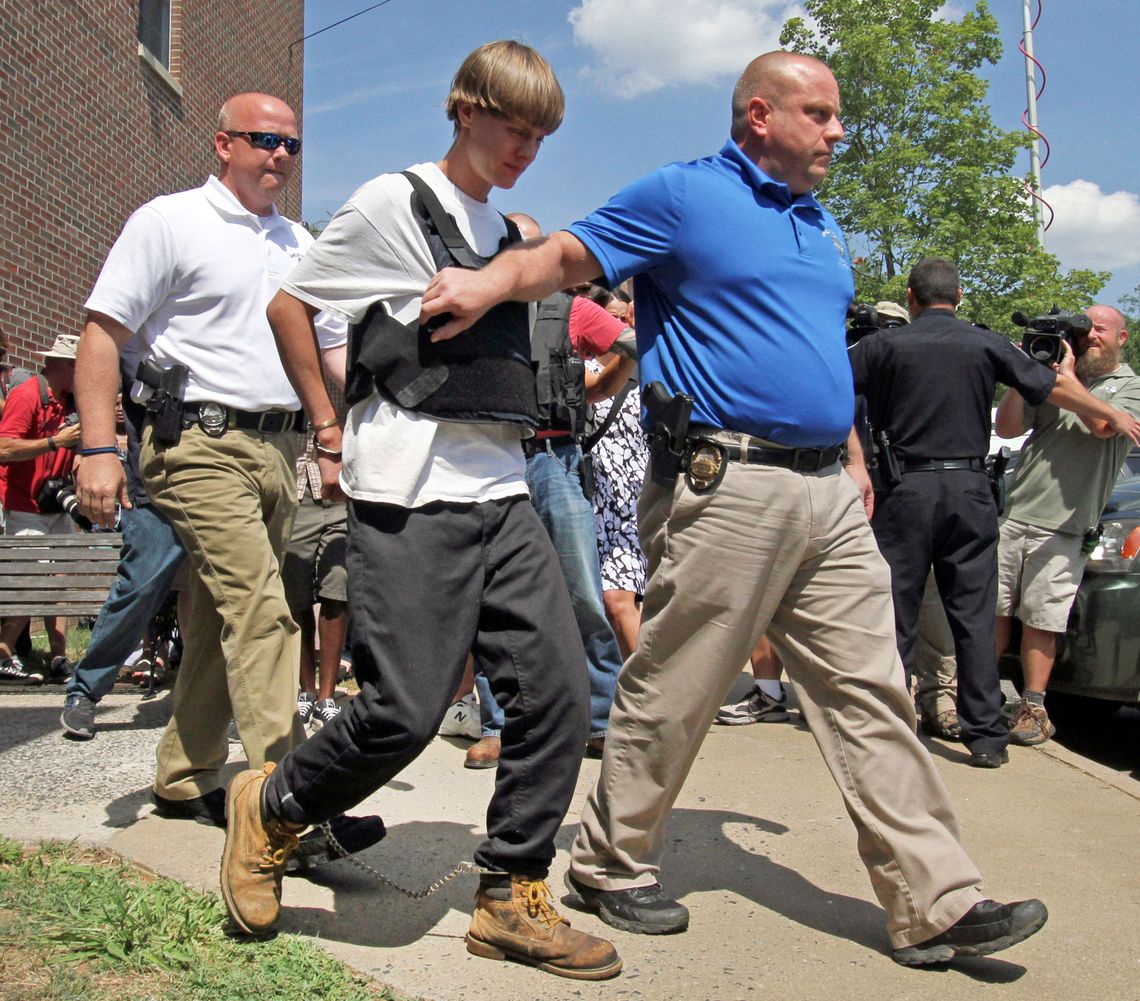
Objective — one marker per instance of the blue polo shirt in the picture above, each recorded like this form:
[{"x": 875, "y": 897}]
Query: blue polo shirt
[{"x": 741, "y": 289}]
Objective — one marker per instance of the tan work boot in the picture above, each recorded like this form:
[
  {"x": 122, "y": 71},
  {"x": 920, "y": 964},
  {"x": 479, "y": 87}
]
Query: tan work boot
[
  {"x": 254, "y": 858},
  {"x": 515, "y": 919}
]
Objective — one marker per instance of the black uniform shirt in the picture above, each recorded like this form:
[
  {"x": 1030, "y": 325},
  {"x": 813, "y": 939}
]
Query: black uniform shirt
[{"x": 930, "y": 385}]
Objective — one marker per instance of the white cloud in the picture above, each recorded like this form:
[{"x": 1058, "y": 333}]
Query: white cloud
[
  {"x": 1093, "y": 229},
  {"x": 643, "y": 45}
]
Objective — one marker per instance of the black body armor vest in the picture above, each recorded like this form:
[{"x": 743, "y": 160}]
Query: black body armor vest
[
  {"x": 482, "y": 376},
  {"x": 560, "y": 375}
]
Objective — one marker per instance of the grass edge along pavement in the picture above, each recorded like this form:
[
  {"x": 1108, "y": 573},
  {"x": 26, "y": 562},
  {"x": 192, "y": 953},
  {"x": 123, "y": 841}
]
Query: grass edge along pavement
[{"x": 80, "y": 924}]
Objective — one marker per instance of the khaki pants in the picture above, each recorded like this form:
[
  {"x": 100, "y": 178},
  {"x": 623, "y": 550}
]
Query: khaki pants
[
  {"x": 935, "y": 667},
  {"x": 791, "y": 555},
  {"x": 231, "y": 500}
]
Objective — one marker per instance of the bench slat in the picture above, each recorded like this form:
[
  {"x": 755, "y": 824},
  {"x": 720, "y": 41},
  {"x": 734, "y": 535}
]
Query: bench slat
[{"x": 57, "y": 574}]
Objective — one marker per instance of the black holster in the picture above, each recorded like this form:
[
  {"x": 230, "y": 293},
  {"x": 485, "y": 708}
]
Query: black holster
[
  {"x": 668, "y": 431},
  {"x": 884, "y": 466},
  {"x": 995, "y": 473},
  {"x": 165, "y": 402}
]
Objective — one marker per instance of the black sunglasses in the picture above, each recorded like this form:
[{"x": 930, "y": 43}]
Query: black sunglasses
[{"x": 270, "y": 141}]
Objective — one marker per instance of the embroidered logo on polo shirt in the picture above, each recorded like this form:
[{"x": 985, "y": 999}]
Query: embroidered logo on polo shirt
[{"x": 839, "y": 248}]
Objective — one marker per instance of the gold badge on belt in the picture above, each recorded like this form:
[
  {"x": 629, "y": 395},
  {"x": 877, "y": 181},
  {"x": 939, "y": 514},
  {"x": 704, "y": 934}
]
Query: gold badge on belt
[{"x": 705, "y": 466}]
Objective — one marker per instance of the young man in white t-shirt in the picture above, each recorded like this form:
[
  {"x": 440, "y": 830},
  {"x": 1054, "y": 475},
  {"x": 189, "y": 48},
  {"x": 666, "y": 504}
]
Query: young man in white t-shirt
[{"x": 445, "y": 552}]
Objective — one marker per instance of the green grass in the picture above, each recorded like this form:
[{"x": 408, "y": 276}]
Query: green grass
[
  {"x": 78, "y": 639},
  {"x": 80, "y": 925}
]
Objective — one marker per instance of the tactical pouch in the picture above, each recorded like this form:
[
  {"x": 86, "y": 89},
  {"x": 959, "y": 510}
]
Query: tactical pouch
[{"x": 586, "y": 476}]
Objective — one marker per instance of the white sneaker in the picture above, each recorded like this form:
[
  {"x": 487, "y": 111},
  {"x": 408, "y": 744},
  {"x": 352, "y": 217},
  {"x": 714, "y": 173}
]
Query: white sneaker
[
  {"x": 756, "y": 708},
  {"x": 462, "y": 719}
]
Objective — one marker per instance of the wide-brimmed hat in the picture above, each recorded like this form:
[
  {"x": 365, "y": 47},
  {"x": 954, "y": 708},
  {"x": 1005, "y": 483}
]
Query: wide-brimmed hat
[
  {"x": 65, "y": 346},
  {"x": 893, "y": 311}
]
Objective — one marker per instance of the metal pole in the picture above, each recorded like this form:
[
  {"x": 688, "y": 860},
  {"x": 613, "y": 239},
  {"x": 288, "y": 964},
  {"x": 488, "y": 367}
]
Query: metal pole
[{"x": 1031, "y": 119}]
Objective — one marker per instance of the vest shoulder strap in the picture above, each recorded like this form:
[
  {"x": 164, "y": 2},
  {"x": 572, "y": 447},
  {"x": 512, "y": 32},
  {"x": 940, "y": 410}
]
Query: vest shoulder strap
[{"x": 443, "y": 222}]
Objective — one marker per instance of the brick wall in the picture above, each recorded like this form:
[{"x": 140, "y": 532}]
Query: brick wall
[{"x": 89, "y": 131}]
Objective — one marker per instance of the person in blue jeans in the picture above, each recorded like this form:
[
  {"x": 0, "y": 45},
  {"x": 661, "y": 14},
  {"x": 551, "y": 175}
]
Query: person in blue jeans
[
  {"x": 552, "y": 474},
  {"x": 568, "y": 328},
  {"x": 148, "y": 562}
]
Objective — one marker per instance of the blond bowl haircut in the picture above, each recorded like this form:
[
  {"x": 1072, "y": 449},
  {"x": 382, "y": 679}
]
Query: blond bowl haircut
[{"x": 511, "y": 80}]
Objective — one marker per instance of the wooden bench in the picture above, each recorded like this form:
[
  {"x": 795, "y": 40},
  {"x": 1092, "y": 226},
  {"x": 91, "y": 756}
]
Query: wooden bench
[{"x": 57, "y": 574}]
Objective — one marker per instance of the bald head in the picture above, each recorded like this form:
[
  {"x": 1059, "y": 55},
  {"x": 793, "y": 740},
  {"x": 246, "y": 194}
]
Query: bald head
[
  {"x": 1101, "y": 350},
  {"x": 771, "y": 76},
  {"x": 243, "y": 108},
  {"x": 527, "y": 225},
  {"x": 1108, "y": 317},
  {"x": 252, "y": 169}
]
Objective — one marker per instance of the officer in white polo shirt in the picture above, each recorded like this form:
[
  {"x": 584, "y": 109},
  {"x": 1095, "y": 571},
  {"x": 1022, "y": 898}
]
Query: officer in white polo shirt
[{"x": 192, "y": 273}]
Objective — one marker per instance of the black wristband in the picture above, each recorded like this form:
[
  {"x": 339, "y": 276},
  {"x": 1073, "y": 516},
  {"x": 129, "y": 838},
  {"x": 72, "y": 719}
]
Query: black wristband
[{"x": 101, "y": 450}]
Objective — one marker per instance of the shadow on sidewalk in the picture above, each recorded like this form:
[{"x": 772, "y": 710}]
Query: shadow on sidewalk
[{"x": 701, "y": 859}]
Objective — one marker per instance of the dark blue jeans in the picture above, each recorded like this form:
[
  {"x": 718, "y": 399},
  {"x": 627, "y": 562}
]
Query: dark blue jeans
[
  {"x": 568, "y": 517},
  {"x": 150, "y": 557}
]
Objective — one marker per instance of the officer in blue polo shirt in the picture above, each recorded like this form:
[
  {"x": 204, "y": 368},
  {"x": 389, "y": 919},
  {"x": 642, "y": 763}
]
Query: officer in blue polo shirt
[{"x": 741, "y": 282}]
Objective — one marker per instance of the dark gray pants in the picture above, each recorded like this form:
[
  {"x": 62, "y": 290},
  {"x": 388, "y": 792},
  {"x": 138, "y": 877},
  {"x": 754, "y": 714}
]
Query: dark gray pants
[{"x": 425, "y": 586}]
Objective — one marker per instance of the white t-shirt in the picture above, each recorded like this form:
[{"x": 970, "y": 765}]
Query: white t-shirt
[
  {"x": 192, "y": 273},
  {"x": 374, "y": 248}
]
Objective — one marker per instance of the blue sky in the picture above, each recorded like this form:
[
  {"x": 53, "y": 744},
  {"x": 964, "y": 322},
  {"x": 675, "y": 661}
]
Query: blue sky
[{"x": 648, "y": 81}]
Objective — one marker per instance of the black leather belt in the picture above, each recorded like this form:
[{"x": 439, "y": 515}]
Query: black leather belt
[
  {"x": 536, "y": 444},
  {"x": 216, "y": 419},
  {"x": 706, "y": 457},
  {"x": 940, "y": 465},
  {"x": 799, "y": 460}
]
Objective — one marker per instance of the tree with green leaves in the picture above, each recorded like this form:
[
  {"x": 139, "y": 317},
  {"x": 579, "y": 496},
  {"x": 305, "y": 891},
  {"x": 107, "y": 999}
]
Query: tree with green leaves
[
  {"x": 1129, "y": 305},
  {"x": 923, "y": 169}
]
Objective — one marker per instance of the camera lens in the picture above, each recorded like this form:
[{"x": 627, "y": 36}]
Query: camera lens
[{"x": 1042, "y": 349}]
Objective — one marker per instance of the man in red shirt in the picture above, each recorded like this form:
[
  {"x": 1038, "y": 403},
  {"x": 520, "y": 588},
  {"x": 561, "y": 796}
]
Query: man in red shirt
[{"x": 36, "y": 440}]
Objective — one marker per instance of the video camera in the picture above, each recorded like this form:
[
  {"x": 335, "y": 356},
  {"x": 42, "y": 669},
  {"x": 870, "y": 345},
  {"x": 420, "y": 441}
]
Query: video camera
[
  {"x": 1044, "y": 335},
  {"x": 864, "y": 319}
]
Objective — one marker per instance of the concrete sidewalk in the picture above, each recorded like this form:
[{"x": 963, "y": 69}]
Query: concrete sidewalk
[{"x": 760, "y": 849}]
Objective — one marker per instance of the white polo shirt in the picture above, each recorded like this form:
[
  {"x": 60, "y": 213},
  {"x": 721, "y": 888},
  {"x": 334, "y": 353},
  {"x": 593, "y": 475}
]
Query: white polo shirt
[{"x": 192, "y": 274}]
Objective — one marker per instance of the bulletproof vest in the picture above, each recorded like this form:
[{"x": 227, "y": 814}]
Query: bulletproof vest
[
  {"x": 560, "y": 376},
  {"x": 483, "y": 375}
]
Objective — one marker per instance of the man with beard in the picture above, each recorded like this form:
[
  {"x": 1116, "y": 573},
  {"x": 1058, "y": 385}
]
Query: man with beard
[
  {"x": 1066, "y": 473},
  {"x": 929, "y": 387}
]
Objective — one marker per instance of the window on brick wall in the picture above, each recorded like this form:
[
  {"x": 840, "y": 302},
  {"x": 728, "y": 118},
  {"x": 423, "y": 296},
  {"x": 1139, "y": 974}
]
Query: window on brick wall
[{"x": 154, "y": 29}]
